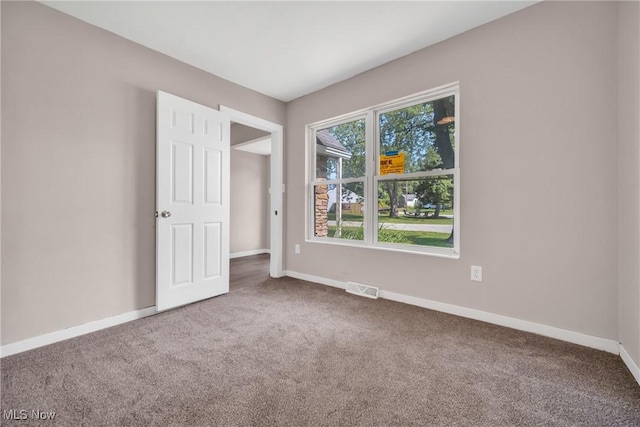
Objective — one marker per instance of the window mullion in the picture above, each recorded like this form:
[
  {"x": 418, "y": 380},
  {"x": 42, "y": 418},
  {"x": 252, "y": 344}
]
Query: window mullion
[
  {"x": 339, "y": 181},
  {"x": 371, "y": 195},
  {"x": 417, "y": 175}
]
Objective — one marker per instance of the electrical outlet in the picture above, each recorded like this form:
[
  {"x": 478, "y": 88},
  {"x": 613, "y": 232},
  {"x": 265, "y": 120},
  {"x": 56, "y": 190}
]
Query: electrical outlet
[
  {"x": 476, "y": 273},
  {"x": 297, "y": 248}
]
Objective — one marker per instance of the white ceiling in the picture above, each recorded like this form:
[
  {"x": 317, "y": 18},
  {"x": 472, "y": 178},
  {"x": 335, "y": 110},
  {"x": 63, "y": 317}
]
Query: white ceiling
[{"x": 287, "y": 49}]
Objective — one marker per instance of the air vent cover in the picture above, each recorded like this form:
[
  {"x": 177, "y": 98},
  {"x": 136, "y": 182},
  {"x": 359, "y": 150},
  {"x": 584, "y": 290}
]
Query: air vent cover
[{"x": 362, "y": 290}]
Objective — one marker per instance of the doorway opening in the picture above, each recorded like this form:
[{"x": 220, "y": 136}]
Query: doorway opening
[
  {"x": 250, "y": 163},
  {"x": 256, "y": 177}
]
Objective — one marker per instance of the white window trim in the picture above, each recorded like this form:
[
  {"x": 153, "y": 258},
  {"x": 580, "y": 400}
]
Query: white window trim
[{"x": 372, "y": 176}]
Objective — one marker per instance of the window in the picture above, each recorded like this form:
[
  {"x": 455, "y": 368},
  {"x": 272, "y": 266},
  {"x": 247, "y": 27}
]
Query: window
[{"x": 388, "y": 177}]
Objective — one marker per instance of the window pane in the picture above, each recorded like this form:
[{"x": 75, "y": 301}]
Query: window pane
[
  {"x": 339, "y": 216},
  {"x": 423, "y": 133},
  {"x": 416, "y": 212},
  {"x": 340, "y": 151}
]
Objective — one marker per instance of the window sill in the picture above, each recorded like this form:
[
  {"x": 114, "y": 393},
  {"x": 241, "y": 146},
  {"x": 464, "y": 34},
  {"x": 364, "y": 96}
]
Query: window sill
[{"x": 429, "y": 251}]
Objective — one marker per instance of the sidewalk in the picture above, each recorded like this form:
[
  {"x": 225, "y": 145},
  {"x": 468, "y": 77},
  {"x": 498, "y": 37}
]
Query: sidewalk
[{"x": 438, "y": 228}]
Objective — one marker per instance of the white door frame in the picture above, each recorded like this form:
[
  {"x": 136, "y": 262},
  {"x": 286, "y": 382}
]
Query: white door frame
[{"x": 276, "y": 181}]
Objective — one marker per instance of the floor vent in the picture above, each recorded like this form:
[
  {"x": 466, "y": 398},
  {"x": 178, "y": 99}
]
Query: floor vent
[{"x": 362, "y": 290}]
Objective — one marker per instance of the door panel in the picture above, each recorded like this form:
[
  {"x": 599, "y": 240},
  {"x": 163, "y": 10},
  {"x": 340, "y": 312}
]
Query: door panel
[
  {"x": 192, "y": 229},
  {"x": 182, "y": 251},
  {"x": 213, "y": 164},
  {"x": 182, "y": 173},
  {"x": 212, "y": 245}
]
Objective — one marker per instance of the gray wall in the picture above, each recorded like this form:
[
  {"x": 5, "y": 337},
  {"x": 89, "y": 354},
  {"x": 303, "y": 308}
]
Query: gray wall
[
  {"x": 0, "y": 179},
  {"x": 249, "y": 201},
  {"x": 78, "y": 166},
  {"x": 538, "y": 157},
  {"x": 629, "y": 177}
]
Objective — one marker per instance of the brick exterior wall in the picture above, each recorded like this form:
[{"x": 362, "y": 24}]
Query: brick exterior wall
[{"x": 321, "y": 200}]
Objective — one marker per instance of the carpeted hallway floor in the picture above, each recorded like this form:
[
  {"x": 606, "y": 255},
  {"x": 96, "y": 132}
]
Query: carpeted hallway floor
[{"x": 287, "y": 352}]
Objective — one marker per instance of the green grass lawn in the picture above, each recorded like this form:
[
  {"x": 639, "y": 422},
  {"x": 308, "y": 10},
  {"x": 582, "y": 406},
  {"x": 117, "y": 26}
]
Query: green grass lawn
[
  {"x": 422, "y": 238},
  {"x": 402, "y": 219}
]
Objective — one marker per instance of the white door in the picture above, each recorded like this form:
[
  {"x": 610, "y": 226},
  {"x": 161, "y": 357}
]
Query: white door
[{"x": 192, "y": 200}]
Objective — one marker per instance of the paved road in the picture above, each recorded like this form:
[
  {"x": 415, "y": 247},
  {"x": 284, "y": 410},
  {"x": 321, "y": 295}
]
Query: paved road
[{"x": 439, "y": 228}]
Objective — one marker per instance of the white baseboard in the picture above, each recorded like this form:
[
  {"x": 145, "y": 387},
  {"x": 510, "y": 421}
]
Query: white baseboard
[
  {"x": 510, "y": 322},
  {"x": 316, "y": 279},
  {"x": 249, "y": 253},
  {"x": 75, "y": 331},
  {"x": 631, "y": 364},
  {"x": 496, "y": 319}
]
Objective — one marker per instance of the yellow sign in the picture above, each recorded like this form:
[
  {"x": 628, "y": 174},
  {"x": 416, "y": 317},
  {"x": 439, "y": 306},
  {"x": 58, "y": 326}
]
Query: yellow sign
[{"x": 391, "y": 163}]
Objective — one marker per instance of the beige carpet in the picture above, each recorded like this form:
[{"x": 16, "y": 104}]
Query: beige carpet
[{"x": 287, "y": 352}]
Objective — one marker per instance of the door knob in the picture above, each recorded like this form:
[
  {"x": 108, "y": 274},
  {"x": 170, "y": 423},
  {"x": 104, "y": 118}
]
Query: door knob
[{"x": 165, "y": 214}]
